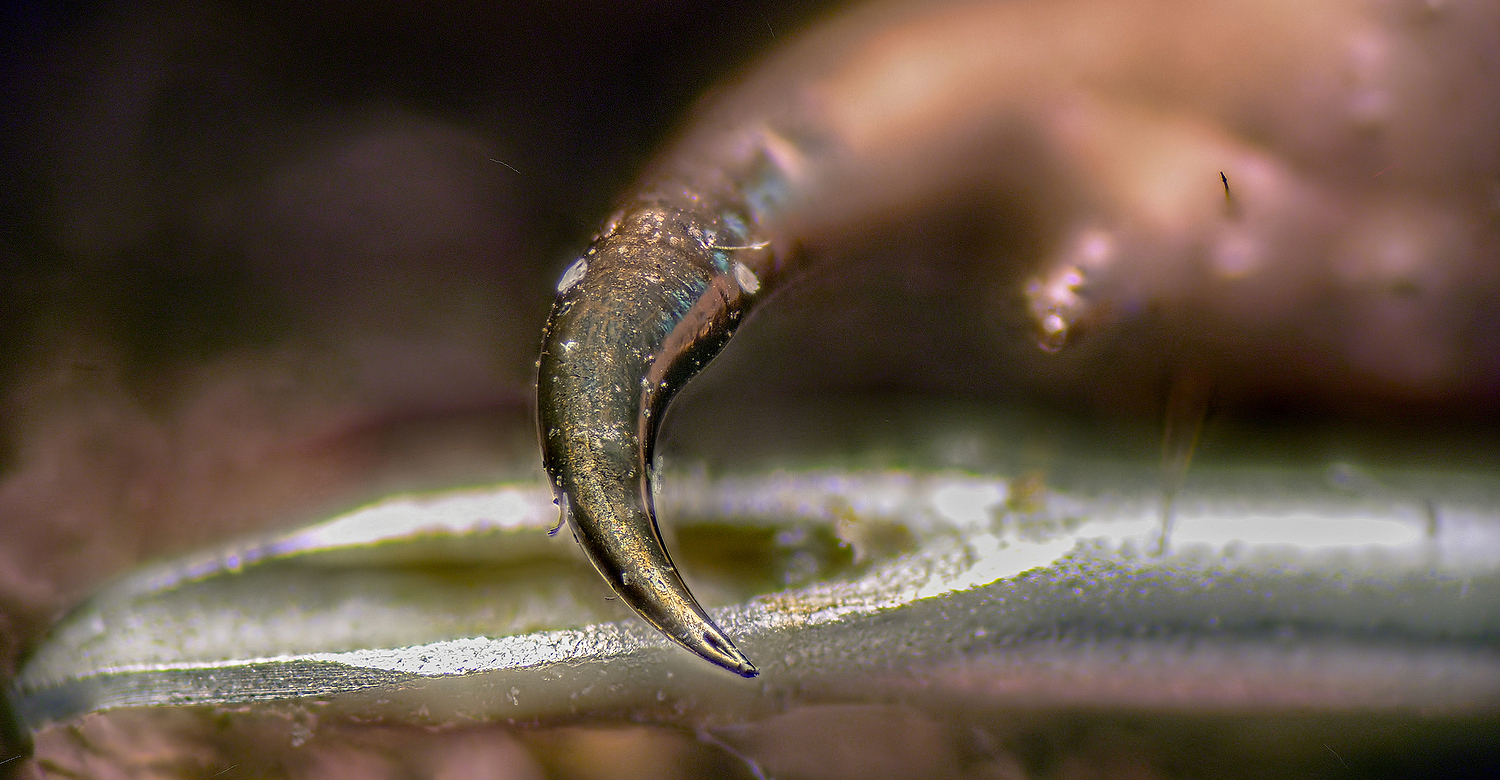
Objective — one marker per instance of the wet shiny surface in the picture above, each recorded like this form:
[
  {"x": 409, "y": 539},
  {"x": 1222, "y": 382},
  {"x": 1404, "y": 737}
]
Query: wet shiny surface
[
  {"x": 869, "y": 114},
  {"x": 641, "y": 312},
  {"x": 273, "y": 262},
  {"x": 1283, "y": 589}
]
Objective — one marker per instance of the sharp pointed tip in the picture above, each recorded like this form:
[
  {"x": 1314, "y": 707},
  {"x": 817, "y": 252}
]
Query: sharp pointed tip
[
  {"x": 716, "y": 648},
  {"x": 737, "y": 662},
  {"x": 744, "y": 668}
]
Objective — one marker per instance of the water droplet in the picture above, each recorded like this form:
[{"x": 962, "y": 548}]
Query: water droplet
[
  {"x": 573, "y": 275},
  {"x": 746, "y": 278}
]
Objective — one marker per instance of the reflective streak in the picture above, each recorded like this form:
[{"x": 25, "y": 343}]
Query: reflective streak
[
  {"x": 1127, "y": 120},
  {"x": 1296, "y": 530},
  {"x": 1345, "y": 596}
]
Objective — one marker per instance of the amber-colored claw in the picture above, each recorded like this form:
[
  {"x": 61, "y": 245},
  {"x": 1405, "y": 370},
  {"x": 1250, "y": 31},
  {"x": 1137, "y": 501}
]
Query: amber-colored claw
[{"x": 634, "y": 319}]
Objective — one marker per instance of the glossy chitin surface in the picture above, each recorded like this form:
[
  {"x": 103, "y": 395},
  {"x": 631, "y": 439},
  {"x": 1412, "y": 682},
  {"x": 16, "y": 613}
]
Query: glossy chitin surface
[{"x": 1312, "y": 217}]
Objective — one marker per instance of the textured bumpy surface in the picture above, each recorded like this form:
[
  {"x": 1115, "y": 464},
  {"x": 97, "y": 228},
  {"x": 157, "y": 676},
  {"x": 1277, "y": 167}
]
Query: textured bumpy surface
[{"x": 1283, "y": 590}]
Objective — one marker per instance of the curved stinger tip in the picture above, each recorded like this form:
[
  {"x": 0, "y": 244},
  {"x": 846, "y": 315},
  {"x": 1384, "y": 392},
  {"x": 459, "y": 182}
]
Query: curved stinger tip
[{"x": 636, "y": 323}]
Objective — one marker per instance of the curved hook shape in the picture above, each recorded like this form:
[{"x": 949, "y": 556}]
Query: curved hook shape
[
  {"x": 651, "y": 303},
  {"x": 899, "y": 104}
]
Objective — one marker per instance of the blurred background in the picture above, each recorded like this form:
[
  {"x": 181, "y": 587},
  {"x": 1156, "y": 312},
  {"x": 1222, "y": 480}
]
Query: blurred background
[{"x": 264, "y": 262}]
